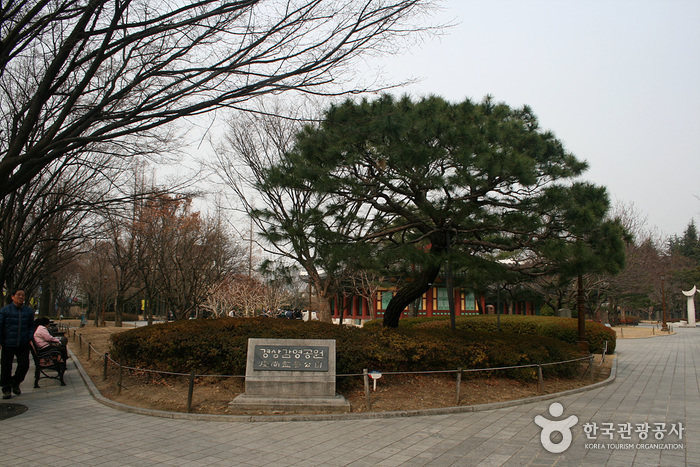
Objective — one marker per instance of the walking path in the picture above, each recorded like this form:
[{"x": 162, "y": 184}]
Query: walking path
[{"x": 657, "y": 382}]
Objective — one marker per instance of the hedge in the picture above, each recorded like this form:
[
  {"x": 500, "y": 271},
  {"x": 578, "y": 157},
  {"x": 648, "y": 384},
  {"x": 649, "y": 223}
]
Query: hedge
[
  {"x": 564, "y": 329},
  {"x": 219, "y": 346}
]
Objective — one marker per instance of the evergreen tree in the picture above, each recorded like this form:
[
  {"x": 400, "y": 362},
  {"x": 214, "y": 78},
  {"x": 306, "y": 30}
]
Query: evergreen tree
[
  {"x": 688, "y": 244},
  {"x": 431, "y": 180},
  {"x": 594, "y": 244}
]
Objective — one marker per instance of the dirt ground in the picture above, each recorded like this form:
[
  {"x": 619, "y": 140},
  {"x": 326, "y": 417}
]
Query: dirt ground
[
  {"x": 634, "y": 332},
  {"x": 212, "y": 395}
]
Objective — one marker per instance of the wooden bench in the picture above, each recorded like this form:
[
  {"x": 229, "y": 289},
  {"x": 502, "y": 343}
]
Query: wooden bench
[{"x": 47, "y": 360}]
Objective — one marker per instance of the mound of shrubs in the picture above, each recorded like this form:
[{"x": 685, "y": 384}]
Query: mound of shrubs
[
  {"x": 563, "y": 329},
  {"x": 219, "y": 346}
]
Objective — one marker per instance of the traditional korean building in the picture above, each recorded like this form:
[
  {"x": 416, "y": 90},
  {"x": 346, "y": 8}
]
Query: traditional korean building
[
  {"x": 433, "y": 303},
  {"x": 356, "y": 310}
]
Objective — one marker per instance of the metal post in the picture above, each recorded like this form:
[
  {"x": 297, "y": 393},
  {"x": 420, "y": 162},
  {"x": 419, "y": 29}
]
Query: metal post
[
  {"x": 582, "y": 341},
  {"x": 366, "y": 377},
  {"x": 459, "y": 384},
  {"x": 190, "y": 390},
  {"x": 605, "y": 350},
  {"x": 119, "y": 380},
  {"x": 104, "y": 370}
]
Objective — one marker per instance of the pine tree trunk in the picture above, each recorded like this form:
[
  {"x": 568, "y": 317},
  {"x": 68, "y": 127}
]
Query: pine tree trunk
[
  {"x": 421, "y": 282},
  {"x": 407, "y": 294}
]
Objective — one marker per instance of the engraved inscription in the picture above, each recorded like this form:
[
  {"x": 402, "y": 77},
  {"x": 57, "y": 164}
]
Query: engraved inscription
[{"x": 291, "y": 358}]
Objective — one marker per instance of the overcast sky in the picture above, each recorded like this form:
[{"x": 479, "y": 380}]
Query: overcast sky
[{"x": 617, "y": 81}]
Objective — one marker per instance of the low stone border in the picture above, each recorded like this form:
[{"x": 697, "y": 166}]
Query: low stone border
[{"x": 325, "y": 417}]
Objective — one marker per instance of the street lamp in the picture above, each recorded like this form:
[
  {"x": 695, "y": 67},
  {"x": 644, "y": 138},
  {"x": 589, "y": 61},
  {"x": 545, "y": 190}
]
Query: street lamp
[{"x": 664, "y": 327}]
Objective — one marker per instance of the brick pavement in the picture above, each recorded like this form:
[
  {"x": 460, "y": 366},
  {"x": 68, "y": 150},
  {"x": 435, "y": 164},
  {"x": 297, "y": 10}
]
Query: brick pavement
[{"x": 657, "y": 382}]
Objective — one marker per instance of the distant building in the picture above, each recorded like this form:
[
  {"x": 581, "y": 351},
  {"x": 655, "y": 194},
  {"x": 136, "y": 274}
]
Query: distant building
[{"x": 433, "y": 303}]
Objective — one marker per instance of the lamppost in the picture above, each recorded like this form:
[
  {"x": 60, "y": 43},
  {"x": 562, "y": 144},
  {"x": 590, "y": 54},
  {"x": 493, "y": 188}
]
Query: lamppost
[{"x": 664, "y": 327}]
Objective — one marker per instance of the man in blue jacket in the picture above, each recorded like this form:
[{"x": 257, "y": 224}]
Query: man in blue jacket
[{"x": 16, "y": 331}]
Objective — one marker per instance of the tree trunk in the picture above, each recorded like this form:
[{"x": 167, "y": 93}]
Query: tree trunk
[
  {"x": 408, "y": 293},
  {"x": 97, "y": 311},
  {"x": 413, "y": 308},
  {"x": 118, "y": 306},
  {"x": 421, "y": 283},
  {"x": 324, "y": 311},
  {"x": 45, "y": 299},
  {"x": 582, "y": 342},
  {"x": 148, "y": 310},
  {"x": 450, "y": 295}
]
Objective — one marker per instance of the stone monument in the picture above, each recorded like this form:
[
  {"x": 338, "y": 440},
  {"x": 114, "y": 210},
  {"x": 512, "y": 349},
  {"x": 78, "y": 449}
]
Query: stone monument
[
  {"x": 690, "y": 295},
  {"x": 290, "y": 375}
]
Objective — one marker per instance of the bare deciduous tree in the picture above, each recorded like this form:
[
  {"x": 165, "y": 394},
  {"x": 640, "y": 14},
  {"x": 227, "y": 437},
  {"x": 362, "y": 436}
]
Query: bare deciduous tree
[
  {"x": 364, "y": 284},
  {"x": 220, "y": 301},
  {"x": 285, "y": 218},
  {"x": 43, "y": 226},
  {"x": 247, "y": 294},
  {"x": 82, "y": 75},
  {"x": 182, "y": 255},
  {"x": 96, "y": 281}
]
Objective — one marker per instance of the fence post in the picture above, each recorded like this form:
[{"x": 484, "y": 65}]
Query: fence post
[
  {"x": 590, "y": 366},
  {"x": 119, "y": 380},
  {"x": 89, "y": 350},
  {"x": 605, "y": 350},
  {"x": 366, "y": 377},
  {"x": 80, "y": 341},
  {"x": 540, "y": 380},
  {"x": 104, "y": 369},
  {"x": 190, "y": 389},
  {"x": 459, "y": 384}
]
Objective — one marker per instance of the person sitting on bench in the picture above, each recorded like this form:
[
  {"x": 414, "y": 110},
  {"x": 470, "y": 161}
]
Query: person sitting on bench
[{"x": 43, "y": 338}]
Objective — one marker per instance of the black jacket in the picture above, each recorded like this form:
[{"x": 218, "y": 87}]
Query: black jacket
[{"x": 16, "y": 325}]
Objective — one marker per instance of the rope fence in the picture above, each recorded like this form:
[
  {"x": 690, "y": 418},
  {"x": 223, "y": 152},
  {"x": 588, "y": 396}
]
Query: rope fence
[{"x": 366, "y": 375}]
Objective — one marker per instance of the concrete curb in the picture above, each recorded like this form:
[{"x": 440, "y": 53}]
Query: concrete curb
[{"x": 326, "y": 417}]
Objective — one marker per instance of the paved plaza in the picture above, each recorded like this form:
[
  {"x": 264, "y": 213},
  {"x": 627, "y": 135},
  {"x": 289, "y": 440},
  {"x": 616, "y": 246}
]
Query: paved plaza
[{"x": 657, "y": 383}]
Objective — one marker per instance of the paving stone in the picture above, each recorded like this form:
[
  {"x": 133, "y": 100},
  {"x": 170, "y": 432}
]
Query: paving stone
[{"x": 657, "y": 381}]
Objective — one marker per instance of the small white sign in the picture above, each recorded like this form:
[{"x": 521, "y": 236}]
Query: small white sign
[{"x": 375, "y": 375}]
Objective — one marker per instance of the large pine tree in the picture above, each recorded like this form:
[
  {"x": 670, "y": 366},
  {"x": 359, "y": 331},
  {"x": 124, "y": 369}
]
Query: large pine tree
[{"x": 432, "y": 180}]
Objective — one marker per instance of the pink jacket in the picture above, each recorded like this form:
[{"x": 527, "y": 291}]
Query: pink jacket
[{"x": 42, "y": 337}]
